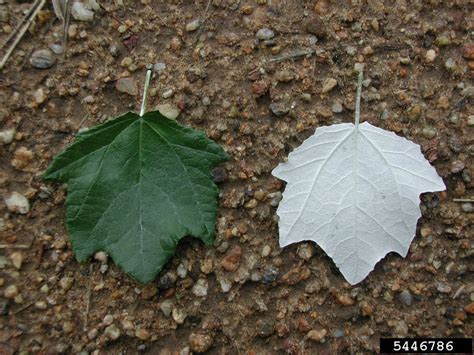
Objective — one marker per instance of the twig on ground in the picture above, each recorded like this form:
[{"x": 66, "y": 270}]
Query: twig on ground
[
  {"x": 14, "y": 246},
  {"x": 18, "y": 26},
  {"x": 24, "y": 308},
  {"x": 39, "y": 258},
  {"x": 21, "y": 34},
  {"x": 458, "y": 291},
  {"x": 67, "y": 18},
  {"x": 202, "y": 21},
  {"x": 109, "y": 13},
  {"x": 463, "y": 200},
  {"x": 293, "y": 55}
]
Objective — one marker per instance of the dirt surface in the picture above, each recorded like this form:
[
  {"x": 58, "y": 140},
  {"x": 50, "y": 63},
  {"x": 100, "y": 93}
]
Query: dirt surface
[{"x": 419, "y": 66}]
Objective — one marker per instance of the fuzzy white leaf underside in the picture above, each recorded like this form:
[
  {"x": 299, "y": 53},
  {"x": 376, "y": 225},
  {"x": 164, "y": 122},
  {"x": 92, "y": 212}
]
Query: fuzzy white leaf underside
[{"x": 355, "y": 192}]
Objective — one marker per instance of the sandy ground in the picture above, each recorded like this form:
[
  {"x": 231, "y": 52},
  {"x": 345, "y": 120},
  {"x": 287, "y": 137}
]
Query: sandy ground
[{"x": 252, "y": 75}]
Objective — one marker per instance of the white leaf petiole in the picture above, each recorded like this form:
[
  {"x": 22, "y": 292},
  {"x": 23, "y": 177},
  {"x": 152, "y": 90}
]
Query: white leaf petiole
[
  {"x": 145, "y": 92},
  {"x": 358, "y": 96}
]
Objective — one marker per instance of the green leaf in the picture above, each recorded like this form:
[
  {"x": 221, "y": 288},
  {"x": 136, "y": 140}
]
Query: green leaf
[{"x": 136, "y": 186}]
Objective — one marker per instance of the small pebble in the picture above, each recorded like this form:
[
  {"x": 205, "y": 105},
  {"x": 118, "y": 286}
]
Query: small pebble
[
  {"x": 442, "y": 41},
  {"x": 329, "y": 84},
  {"x": 457, "y": 166},
  {"x": 169, "y": 111},
  {"x": 305, "y": 251},
  {"x": 127, "y": 86},
  {"x": 193, "y": 25},
  {"x": 200, "y": 288},
  {"x": 167, "y": 280},
  {"x": 179, "y": 315},
  {"x": 41, "y": 305},
  {"x": 206, "y": 101},
  {"x": 181, "y": 270},
  {"x": 306, "y": 97},
  {"x": 168, "y": 93},
  {"x": 385, "y": 115},
  {"x": 100, "y": 256},
  {"x": 443, "y": 288},
  {"x": 429, "y": 132},
  {"x": 126, "y": 62},
  {"x": 122, "y": 28},
  {"x": 16, "y": 259},
  {"x": 66, "y": 283},
  {"x": 57, "y": 48},
  {"x": 108, "y": 319},
  {"x": 114, "y": 50},
  {"x": 266, "y": 251},
  {"x": 375, "y": 25},
  {"x": 17, "y": 203},
  {"x": 405, "y": 297},
  {"x": 275, "y": 198},
  {"x": 219, "y": 174},
  {"x": 231, "y": 260},
  {"x": 430, "y": 56},
  {"x": 317, "y": 334},
  {"x": 40, "y": 96},
  {"x": 468, "y": 51},
  {"x": 270, "y": 275},
  {"x": 92, "y": 334},
  {"x": 199, "y": 342},
  {"x": 279, "y": 108},
  {"x": 6, "y": 136},
  {"x": 89, "y": 99},
  {"x": 265, "y": 34},
  {"x": 11, "y": 292},
  {"x": 225, "y": 284},
  {"x": 80, "y": 11},
  {"x": 112, "y": 332},
  {"x": 42, "y": 59},
  {"x": 350, "y": 50},
  {"x": 336, "y": 107},
  {"x": 207, "y": 266},
  {"x": 316, "y": 26},
  {"x": 158, "y": 67},
  {"x": 166, "y": 307},
  {"x": 142, "y": 334},
  {"x": 450, "y": 64},
  {"x": 467, "y": 207},
  {"x": 405, "y": 60}
]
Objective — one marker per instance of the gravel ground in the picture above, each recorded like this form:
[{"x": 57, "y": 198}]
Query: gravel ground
[{"x": 258, "y": 77}]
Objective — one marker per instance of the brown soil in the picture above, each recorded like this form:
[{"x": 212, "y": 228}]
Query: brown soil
[{"x": 292, "y": 300}]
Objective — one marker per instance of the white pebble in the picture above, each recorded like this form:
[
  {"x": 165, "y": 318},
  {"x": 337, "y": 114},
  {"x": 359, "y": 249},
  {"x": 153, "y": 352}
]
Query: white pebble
[
  {"x": 430, "y": 56},
  {"x": 266, "y": 251},
  {"x": 200, "y": 288},
  {"x": 193, "y": 25},
  {"x": 6, "y": 136},
  {"x": 18, "y": 203},
  {"x": 168, "y": 93},
  {"x": 81, "y": 12}
]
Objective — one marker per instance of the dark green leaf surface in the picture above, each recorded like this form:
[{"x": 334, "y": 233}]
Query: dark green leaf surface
[{"x": 136, "y": 186}]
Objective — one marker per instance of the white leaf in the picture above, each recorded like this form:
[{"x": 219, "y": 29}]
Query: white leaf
[{"x": 355, "y": 192}]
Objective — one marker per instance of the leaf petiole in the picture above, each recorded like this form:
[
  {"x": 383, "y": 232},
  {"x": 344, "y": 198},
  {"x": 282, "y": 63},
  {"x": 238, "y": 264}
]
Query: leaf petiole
[
  {"x": 358, "y": 96},
  {"x": 145, "y": 92}
]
